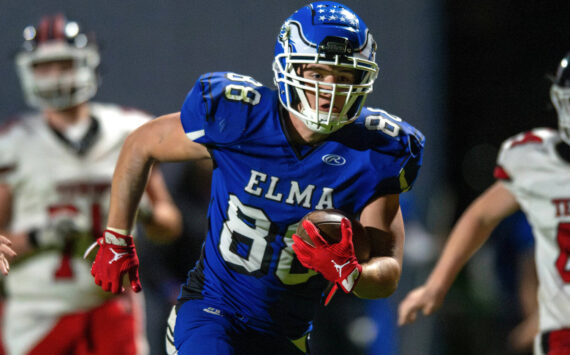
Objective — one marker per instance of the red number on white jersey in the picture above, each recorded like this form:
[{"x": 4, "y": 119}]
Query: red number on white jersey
[
  {"x": 64, "y": 271},
  {"x": 563, "y": 262}
]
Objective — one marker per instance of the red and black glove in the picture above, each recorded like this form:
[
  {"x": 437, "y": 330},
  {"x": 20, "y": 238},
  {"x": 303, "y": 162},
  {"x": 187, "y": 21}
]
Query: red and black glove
[
  {"x": 115, "y": 258},
  {"x": 336, "y": 262}
]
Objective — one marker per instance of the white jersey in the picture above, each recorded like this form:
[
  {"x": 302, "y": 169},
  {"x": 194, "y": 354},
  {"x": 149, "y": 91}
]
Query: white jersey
[
  {"x": 49, "y": 178},
  {"x": 533, "y": 171}
]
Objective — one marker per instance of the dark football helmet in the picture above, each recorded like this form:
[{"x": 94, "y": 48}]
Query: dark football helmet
[
  {"x": 560, "y": 96},
  {"x": 57, "y": 39},
  {"x": 324, "y": 32}
]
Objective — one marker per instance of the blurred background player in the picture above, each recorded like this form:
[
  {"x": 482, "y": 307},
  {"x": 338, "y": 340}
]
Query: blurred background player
[
  {"x": 56, "y": 166},
  {"x": 278, "y": 154},
  {"x": 534, "y": 176}
]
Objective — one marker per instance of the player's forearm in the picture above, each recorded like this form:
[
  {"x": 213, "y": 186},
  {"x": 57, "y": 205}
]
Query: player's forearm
[
  {"x": 381, "y": 274},
  {"x": 160, "y": 217},
  {"x": 466, "y": 238},
  {"x": 129, "y": 180},
  {"x": 379, "y": 278},
  {"x": 163, "y": 140},
  {"x": 470, "y": 232},
  {"x": 165, "y": 223}
]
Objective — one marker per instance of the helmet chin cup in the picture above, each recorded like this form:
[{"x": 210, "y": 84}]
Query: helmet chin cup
[{"x": 321, "y": 122}]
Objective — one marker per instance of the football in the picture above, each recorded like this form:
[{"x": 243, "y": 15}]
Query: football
[{"x": 328, "y": 223}]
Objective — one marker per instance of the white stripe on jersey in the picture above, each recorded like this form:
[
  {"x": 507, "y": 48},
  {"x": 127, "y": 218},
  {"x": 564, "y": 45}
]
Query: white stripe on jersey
[{"x": 195, "y": 135}]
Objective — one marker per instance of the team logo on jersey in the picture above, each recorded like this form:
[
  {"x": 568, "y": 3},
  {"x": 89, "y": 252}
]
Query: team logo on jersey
[
  {"x": 213, "y": 311},
  {"x": 333, "y": 159}
]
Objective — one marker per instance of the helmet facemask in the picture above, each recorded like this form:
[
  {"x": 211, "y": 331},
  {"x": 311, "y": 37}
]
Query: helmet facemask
[
  {"x": 560, "y": 97},
  {"x": 296, "y": 88}
]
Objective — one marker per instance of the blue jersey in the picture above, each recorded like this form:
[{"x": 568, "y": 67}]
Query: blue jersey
[{"x": 262, "y": 185}]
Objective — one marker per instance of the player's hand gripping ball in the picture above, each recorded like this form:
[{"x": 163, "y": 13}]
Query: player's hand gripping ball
[
  {"x": 324, "y": 242},
  {"x": 328, "y": 223}
]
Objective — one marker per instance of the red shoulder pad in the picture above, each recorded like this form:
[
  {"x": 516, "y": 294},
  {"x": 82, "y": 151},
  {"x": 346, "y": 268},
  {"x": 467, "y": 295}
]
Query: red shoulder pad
[{"x": 528, "y": 137}]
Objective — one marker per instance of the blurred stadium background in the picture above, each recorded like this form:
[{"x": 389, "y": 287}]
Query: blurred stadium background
[{"x": 468, "y": 74}]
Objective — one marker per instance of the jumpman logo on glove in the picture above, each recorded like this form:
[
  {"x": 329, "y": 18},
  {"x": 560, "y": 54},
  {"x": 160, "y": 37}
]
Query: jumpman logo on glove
[
  {"x": 339, "y": 267},
  {"x": 117, "y": 255},
  {"x": 346, "y": 270}
]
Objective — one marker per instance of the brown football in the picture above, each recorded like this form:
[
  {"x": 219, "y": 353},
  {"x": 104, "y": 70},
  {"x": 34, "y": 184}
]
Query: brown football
[{"x": 328, "y": 223}]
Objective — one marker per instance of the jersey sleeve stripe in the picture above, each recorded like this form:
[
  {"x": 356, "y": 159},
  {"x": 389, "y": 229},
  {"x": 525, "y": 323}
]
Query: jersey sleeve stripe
[
  {"x": 195, "y": 135},
  {"x": 500, "y": 173},
  {"x": 404, "y": 185}
]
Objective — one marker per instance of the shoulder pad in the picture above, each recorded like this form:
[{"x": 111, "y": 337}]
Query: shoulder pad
[
  {"x": 11, "y": 135},
  {"x": 535, "y": 136},
  {"x": 217, "y": 109},
  {"x": 8, "y": 125},
  {"x": 388, "y": 134},
  {"x": 20, "y": 124},
  {"x": 117, "y": 122},
  {"x": 516, "y": 151}
]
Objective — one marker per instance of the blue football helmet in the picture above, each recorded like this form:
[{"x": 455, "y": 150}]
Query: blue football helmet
[
  {"x": 560, "y": 96},
  {"x": 57, "y": 39},
  {"x": 324, "y": 32}
]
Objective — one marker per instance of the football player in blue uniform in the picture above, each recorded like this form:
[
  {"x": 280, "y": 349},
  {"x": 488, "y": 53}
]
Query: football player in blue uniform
[{"x": 277, "y": 155}]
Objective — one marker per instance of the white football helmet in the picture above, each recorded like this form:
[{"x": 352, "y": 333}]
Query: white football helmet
[
  {"x": 56, "y": 39},
  {"x": 560, "y": 96},
  {"x": 324, "y": 32}
]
